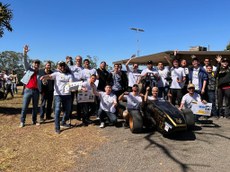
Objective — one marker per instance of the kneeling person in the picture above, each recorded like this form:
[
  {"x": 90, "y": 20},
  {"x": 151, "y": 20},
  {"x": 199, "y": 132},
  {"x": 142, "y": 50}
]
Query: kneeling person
[{"x": 108, "y": 103}]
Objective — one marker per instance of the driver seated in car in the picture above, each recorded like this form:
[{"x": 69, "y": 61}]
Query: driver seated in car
[{"x": 134, "y": 102}]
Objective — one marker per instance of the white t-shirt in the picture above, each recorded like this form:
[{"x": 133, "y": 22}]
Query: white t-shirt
[
  {"x": 213, "y": 68},
  {"x": 152, "y": 98},
  {"x": 147, "y": 70},
  {"x": 60, "y": 81},
  {"x": 133, "y": 77},
  {"x": 107, "y": 100},
  {"x": 187, "y": 99},
  {"x": 7, "y": 78},
  {"x": 77, "y": 72},
  {"x": 177, "y": 73},
  {"x": 86, "y": 73},
  {"x": 89, "y": 87},
  {"x": 133, "y": 102},
  {"x": 195, "y": 78},
  {"x": 162, "y": 82}
]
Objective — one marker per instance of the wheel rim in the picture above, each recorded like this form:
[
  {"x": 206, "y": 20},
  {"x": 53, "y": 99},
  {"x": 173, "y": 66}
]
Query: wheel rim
[{"x": 131, "y": 122}]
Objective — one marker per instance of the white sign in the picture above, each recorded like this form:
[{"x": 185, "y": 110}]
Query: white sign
[
  {"x": 73, "y": 86},
  {"x": 85, "y": 97},
  {"x": 200, "y": 108}
]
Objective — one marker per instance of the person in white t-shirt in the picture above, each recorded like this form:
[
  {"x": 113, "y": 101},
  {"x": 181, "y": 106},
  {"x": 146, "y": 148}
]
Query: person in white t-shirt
[
  {"x": 163, "y": 83},
  {"x": 88, "y": 106},
  {"x": 62, "y": 98},
  {"x": 133, "y": 75},
  {"x": 190, "y": 98},
  {"x": 149, "y": 76},
  {"x": 177, "y": 84},
  {"x": 88, "y": 71},
  {"x": 108, "y": 103}
]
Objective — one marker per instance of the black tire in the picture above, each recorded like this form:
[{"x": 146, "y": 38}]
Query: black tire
[
  {"x": 135, "y": 121},
  {"x": 189, "y": 117}
]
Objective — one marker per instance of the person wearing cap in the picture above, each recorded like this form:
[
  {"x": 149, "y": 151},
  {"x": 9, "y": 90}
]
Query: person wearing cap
[
  {"x": 134, "y": 101},
  {"x": 32, "y": 88},
  {"x": 223, "y": 85},
  {"x": 149, "y": 76},
  {"x": 47, "y": 92},
  {"x": 189, "y": 98},
  {"x": 61, "y": 78},
  {"x": 198, "y": 77},
  {"x": 133, "y": 75},
  {"x": 108, "y": 103}
]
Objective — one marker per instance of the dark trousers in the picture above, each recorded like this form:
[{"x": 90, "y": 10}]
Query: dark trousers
[
  {"x": 224, "y": 94},
  {"x": 9, "y": 90},
  {"x": 163, "y": 92},
  {"x": 212, "y": 99},
  {"x": 176, "y": 96},
  {"x": 88, "y": 109},
  {"x": 46, "y": 104},
  {"x": 111, "y": 116}
]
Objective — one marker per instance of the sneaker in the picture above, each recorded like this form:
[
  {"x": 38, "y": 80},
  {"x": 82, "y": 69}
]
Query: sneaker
[
  {"x": 102, "y": 125},
  {"x": 58, "y": 131},
  {"x": 22, "y": 125},
  {"x": 65, "y": 126},
  {"x": 42, "y": 120},
  {"x": 49, "y": 118},
  {"x": 36, "y": 123}
]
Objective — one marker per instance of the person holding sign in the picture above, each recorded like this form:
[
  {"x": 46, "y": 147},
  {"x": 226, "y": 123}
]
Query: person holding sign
[{"x": 87, "y": 99}]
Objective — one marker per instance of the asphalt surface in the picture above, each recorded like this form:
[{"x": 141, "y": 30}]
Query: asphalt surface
[{"x": 207, "y": 148}]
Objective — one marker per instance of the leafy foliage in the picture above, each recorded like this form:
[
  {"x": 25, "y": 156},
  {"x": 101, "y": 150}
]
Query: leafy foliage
[
  {"x": 5, "y": 17},
  {"x": 228, "y": 47}
]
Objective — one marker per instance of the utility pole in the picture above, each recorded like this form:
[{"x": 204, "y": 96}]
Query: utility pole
[{"x": 138, "y": 42}]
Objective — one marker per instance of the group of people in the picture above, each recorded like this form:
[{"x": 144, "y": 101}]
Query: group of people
[
  {"x": 8, "y": 83},
  {"x": 109, "y": 89}
]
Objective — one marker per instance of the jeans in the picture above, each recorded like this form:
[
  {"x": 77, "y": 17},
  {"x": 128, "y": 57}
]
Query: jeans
[
  {"x": 163, "y": 92},
  {"x": 212, "y": 99},
  {"x": 47, "y": 98},
  {"x": 27, "y": 96},
  {"x": 103, "y": 114},
  {"x": 176, "y": 96},
  {"x": 65, "y": 102}
]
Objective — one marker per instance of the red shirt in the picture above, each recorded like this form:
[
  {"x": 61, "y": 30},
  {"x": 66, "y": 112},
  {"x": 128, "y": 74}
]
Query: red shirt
[{"x": 33, "y": 84}]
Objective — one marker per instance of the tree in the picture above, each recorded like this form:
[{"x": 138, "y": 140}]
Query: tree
[
  {"x": 5, "y": 17},
  {"x": 93, "y": 61},
  {"x": 228, "y": 47}
]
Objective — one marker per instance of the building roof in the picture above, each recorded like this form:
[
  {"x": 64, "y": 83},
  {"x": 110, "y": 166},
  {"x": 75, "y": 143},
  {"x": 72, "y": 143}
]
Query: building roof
[{"x": 201, "y": 55}]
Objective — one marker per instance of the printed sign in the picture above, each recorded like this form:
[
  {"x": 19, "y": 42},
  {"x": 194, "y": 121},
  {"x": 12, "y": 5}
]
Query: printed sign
[
  {"x": 85, "y": 97},
  {"x": 200, "y": 108}
]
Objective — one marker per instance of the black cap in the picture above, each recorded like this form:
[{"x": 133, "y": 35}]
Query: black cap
[
  {"x": 135, "y": 85},
  {"x": 194, "y": 58},
  {"x": 224, "y": 59},
  {"x": 150, "y": 62}
]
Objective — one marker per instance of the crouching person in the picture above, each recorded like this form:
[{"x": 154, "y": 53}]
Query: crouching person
[
  {"x": 108, "y": 103},
  {"x": 190, "y": 98},
  {"x": 134, "y": 105},
  {"x": 61, "y": 98}
]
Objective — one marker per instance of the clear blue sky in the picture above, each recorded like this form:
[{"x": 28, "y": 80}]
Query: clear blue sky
[{"x": 57, "y": 28}]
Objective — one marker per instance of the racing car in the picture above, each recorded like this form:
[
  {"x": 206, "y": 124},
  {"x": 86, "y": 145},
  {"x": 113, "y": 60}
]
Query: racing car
[{"x": 166, "y": 118}]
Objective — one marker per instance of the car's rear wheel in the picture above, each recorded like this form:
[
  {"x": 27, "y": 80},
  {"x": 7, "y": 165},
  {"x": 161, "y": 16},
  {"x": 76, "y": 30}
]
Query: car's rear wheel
[
  {"x": 135, "y": 122},
  {"x": 189, "y": 117}
]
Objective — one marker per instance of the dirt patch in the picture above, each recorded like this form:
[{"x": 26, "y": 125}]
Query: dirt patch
[{"x": 38, "y": 148}]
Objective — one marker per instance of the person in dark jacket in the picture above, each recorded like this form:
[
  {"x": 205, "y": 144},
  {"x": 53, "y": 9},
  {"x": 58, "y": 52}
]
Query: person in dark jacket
[
  {"x": 223, "y": 84},
  {"x": 46, "y": 94},
  {"x": 103, "y": 75}
]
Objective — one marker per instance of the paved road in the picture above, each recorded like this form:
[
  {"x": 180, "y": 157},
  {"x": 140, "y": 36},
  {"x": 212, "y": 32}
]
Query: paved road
[{"x": 205, "y": 149}]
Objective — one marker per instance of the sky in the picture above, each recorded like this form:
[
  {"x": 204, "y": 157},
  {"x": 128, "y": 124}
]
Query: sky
[{"x": 55, "y": 29}]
